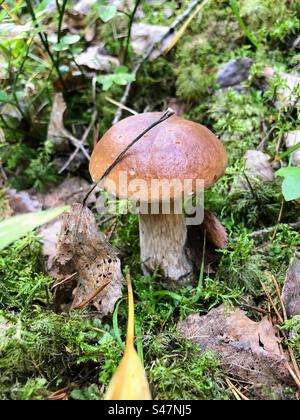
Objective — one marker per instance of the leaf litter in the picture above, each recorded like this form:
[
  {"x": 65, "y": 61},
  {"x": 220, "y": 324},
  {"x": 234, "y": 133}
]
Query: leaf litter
[
  {"x": 249, "y": 351},
  {"x": 86, "y": 268}
]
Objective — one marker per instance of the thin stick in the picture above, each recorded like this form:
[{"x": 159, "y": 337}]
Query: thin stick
[
  {"x": 92, "y": 296},
  {"x": 292, "y": 355},
  {"x": 150, "y": 50},
  {"x": 163, "y": 118},
  {"x": 235, "y": 390},
  {"x": 66, "y": 280},
  {"x": 264, "y": 232},
  {"x": 81, "y": 143},
  {"x": 272, "y": 302},
  {"x": 124, "y": 107}
]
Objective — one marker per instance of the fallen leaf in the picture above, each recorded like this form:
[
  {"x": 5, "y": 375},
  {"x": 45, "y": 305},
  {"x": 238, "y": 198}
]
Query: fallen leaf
[
  {"x": 129, "y": 381},
  {"x": 56, "y": 124},
  {"x": 291, "y": 288},
  {"x": 83, "y": 250},
  {"x": 94, "y": 59},
  {"x": 215, "y": 231},
  {"x": 248, "y": 350},
  {"x": 71, "y": 190},
  {"x": 23, "y": 202}
]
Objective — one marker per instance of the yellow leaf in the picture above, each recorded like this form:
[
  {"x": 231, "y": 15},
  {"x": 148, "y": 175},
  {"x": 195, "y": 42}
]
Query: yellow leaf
[{"x": 129, "y": 381}]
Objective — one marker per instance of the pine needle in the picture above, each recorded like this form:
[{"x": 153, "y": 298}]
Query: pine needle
[{"x": 129, "y": 381}]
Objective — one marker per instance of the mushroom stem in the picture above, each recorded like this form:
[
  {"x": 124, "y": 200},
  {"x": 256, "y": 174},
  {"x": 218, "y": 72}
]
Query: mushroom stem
[{"x": 162, "y": 241}]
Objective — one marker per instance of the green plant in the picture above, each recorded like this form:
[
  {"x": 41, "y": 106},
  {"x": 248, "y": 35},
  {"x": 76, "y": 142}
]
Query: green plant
[
  {"x": 15, "y": 227},
  {"x": 291, "y": 183},
  {"x": 119, "y": 77}
]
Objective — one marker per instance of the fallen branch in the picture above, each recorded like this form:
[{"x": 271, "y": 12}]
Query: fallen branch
[
  {"x": 150, "y": 50},
  {"x": 263, "y": 232},
  {"x": 80, "y": 143}
]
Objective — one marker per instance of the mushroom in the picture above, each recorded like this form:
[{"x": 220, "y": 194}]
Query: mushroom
[{"x": 176, "y": 149}]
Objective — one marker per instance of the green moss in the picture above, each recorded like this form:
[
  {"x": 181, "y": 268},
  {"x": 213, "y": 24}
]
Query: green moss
[{"x": 179, "y": 372}]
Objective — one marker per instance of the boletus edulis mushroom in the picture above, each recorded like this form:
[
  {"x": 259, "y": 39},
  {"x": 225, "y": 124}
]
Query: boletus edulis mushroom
[{"x": 173, "y": 151}]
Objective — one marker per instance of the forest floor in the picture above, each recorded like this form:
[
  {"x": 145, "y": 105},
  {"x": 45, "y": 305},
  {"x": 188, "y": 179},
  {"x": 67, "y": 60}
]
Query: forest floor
[{"x": 235, "y": 69}]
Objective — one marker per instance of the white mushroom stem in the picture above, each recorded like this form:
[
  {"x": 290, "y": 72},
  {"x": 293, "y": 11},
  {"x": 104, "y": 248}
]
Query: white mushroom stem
[{"x": 162, "y": 240}]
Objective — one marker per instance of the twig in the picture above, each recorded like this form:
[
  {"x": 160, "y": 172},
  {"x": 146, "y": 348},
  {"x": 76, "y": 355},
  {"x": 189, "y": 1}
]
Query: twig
[
  {"x": 92, "y": 296},
  {"x": 150, "y": 50},
  {"x": 163, "y": 118},
  {"x": 236, "y": 392},
  {"x": 81, "y": 143},
  {"x": 126, "y": 108},
  {"x": 11, "y": 14},
  {"x": 266, "y": 231},
  {"x": 294, "y": 373},
  {"x": 66, "y": 280},
  {"x": 285, "y": 317},
  {"x": 272, "y": 302}
]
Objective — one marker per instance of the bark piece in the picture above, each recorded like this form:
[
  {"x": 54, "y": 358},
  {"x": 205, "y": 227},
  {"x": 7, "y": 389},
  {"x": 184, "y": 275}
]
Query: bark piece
[
  {"x": 291, "y": 289},
  {"x": 91, "y": 264},
  {"x": 247, "y": 350}
]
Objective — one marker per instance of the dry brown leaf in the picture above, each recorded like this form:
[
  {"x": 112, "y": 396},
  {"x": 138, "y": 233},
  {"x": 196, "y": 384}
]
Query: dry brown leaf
[
  {"x": 56, "y": 124},
  {"x": 291, "y": 289},
  {"x": 71, "y": 190},
  {"x": 215, "y": 231},
  {"x": 83, "y": 250},
  {"x": 248, "y": 351}
]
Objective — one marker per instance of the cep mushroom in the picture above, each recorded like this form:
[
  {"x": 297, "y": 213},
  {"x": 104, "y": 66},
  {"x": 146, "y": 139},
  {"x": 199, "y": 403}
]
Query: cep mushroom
[{"x": 176, "y": 149}]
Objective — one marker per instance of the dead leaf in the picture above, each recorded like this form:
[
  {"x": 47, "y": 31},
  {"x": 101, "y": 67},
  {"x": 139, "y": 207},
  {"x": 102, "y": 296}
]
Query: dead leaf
[
  {"x": 129, "y": 381},
  {"x": 23, "y": 202},
  {"x": 215, "y": 237},
  {"x": 291, "y": 289},
  {"x": 71, "y": 190},
  {"x": 95, "y": 59},
  {"x": 56, "y": 124},
  {"x": 215, "y": 231},
  {"x": 82, "y": 249},
  {"x": 248, "y": 350}
]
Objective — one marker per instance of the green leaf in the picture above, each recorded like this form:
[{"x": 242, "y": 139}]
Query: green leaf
[
  {"x": 106, "y": 13},
  {"x": 70, "y": 39},
  {"x": 105, "y": 81},
  {"x": 15, "y": 227},
  {"x": 65, "y": 42},
  {"x": 291, "y": 183},
  {"x": 290, "y": 171},
  {"x": 123, "y": 78}
]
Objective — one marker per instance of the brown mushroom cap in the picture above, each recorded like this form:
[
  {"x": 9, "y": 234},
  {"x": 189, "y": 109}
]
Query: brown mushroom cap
[{"x": 174, "y": 149}]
